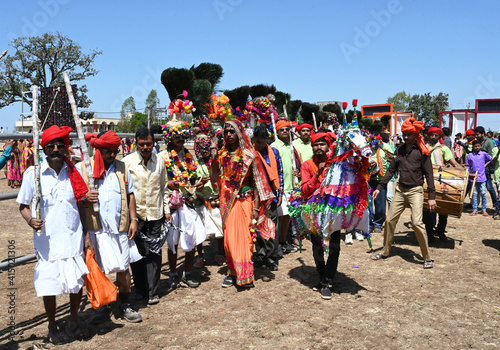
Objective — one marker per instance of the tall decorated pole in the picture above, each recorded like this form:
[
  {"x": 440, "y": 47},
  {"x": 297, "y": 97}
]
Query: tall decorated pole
[
  {"x": 294, "y": 164},
  {"x": 36, "y": 155},
  {"x": 81, "y": 136}
]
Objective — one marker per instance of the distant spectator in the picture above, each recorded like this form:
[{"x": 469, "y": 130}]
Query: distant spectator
[
  {"x": 6, "y": 153},
  {"x": 446, "y": 137}
]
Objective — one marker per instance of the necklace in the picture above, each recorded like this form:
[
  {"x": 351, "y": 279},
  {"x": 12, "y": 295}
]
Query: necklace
[
  {"x": 233, "y": 170},
  {"x": 176, "y": 169}
]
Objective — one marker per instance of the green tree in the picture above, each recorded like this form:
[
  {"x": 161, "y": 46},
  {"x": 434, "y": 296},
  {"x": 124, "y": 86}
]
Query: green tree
[
  {"x": 40, "y": 61},
  {"x": 400, "y": 101},
  {"x": 126, "y": 115},
  {"x": 152, "y": 102},
  {"x": 427, "y": 107}
]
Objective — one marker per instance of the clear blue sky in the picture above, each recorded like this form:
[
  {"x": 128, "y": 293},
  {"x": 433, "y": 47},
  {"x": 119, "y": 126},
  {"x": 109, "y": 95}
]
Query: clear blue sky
[{"x": 314, "y": 50}]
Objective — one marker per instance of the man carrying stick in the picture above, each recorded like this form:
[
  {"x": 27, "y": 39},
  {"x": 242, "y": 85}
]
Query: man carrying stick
[{"x": 62, "y": 236}]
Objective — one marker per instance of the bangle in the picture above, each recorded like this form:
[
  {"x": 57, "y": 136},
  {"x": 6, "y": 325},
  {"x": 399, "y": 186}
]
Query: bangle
[
  {"x": 134, "y": 219},
  {"x": 29, "y": 221},
  {"x": 256, "y": 209}
]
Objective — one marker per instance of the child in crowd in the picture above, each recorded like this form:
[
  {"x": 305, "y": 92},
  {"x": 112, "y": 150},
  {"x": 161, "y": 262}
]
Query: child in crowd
[{"x": 476, "y": 162}]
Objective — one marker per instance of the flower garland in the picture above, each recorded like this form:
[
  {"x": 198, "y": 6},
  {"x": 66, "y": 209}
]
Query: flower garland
[
  {"x": 179, "y": 172},
  {"x": 233, "y": 171}
]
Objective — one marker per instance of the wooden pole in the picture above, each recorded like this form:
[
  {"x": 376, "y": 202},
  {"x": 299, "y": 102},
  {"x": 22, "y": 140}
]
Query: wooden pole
[
  {"x": 36, "y": 155},
  {"x": 314, "y": 120},
  {"x": 81, "y": 136}
]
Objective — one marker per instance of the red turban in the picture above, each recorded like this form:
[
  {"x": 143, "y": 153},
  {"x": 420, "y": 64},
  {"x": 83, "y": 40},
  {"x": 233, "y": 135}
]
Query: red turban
[
  {"x": 282, "y": 124},
  {"x": 434, "y": 130},
  {"x": 470, "y": 132},
  {"x": 107, "y": 140},
  {"x": 411, "y": 125},
  {"x": 326, "y": 135},
  {"x": 54, "y": 132},
  {"x": 304, "y": 125}
]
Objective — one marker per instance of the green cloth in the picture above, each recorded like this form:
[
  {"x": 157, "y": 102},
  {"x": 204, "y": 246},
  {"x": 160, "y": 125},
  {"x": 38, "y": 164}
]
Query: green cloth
[
  {"x": 446, "y": 154},
  {"x": 383, "y": 158},
  {"x": 208, "y": 189},
  {"x": 496, "y": 174},
  {"x": 305, "y": 149},
  {"x": 286, "y": 160},
  {"x": 488, "y": 145}
]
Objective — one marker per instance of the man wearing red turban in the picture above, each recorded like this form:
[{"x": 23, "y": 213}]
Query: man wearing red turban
[
  {"x": 303, "y": 143},
  {"x": 290, "y": 156},
  {"x": 115, "y": 226},
  {"x": 413, "y": 163},
  {"x": 60, "y": 240}
]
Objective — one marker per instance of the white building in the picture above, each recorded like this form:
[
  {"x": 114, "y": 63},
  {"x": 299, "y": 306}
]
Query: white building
[{"x": 96, "y": 124}]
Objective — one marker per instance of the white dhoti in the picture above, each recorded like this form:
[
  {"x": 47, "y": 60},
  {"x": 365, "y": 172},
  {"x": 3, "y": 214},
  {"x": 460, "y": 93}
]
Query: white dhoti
[
  {"x": 192, "y": 229},
  {"x": 61, "y": 276},
  {"x": 114, "y": 252},
  {"x": 212, "y": 220}
]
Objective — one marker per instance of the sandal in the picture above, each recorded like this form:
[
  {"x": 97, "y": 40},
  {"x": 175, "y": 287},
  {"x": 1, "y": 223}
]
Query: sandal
[
  {"x": 378, "y": 256},
  {"x": 474, "y": 213},
  {"x": 428, "y": 264},
  {"x": 57, "y": 337},
  {"x": 485, "y": 213},
  {"x": 78, "y": 331}
]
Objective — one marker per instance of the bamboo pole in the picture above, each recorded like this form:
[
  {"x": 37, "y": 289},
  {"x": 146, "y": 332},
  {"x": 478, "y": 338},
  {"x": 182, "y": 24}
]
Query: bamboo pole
[
  {"x": 36, "y": 155},
  {"x": 314, "y": 120},
  {"x": 81, "y": 136},
  {"x": 294, "y": 164}
]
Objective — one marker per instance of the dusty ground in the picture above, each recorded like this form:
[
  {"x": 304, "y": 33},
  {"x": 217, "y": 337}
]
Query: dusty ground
[{"x": 389, "y": 304}]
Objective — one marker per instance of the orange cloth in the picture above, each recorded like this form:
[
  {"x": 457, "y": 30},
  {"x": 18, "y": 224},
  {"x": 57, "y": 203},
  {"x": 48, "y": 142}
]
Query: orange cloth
[
  {"x": 413, "y": 126},
  {"x": 108, "y": 140},
  {"x": 282, "y": 124},
  {"x": 272, "y": 169},
  {"x": 238, "y": 243}
]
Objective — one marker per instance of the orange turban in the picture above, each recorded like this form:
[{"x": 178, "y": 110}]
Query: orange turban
[
  {"x": 304, "y": 125},
  {"x": 108, "y": 140},
  {"x": 282, "y": 124},
  {"x": 411, "y": 125}
]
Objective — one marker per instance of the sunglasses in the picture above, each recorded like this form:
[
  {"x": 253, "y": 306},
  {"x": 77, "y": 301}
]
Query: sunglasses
[
  {"x": 109, "y": 151},
  {"x": 229, "y": 131},
  {"x": 51, "y": 146},
  {"x": 284, "y": 129}
]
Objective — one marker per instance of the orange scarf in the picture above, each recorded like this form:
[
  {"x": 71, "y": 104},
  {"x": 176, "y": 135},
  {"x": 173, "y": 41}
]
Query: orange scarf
[{"x": 272, "y": 169}]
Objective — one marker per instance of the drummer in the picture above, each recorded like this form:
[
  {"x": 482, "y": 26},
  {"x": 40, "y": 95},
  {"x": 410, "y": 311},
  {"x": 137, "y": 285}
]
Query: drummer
[
  {"x": 413, "y": 163},
  {"x": 440, "y": 155}
]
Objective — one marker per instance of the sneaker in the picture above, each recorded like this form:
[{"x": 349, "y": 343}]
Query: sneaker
[
  {"x": 271, "y": 265},
  {"x": 326, "y": 293},
  {"x": 130, "y": 315},
  {"x": 220, "y": 260},
  {"x": 289, "y": 248},
  {"x": 198, "y": 264},
  {"x": 348, "y": 238},
  {"x": 359, "y": 236},
  {"x": 154, "y": 300},
  {"x": 228, "y": 281},
  {"x": 101, "y": 314},
  {"x": 174, "y": 281},
  {"x": 317, "y": 287},
  {"x": 188, "y": 279}
]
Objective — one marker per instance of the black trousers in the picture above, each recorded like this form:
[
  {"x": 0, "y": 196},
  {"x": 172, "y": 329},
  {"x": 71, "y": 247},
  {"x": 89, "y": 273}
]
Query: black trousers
[
  {"x": 429, "y": 220},
  {"x": 326, "y": 270},
  {"x": 146, "y": 272},
  {"x": 268, "y": 249}
]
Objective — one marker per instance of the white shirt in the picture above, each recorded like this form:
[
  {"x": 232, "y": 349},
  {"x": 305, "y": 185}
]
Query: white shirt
[
  {"x": 62, "y": 234},
  {"x": 110, "y": 200}
]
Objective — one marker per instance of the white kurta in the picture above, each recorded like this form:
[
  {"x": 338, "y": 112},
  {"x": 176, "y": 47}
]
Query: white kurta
[
  {"x": 114, "y": 252},
  {"x": 59, "y": 245}
]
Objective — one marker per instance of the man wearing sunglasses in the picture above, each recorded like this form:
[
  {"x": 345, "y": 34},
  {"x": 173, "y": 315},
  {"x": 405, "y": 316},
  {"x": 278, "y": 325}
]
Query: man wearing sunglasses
[
  {"x": 59, "y": 236},
  {"x": 114, "y": 227},
  {"x": 282, "y": 144}
]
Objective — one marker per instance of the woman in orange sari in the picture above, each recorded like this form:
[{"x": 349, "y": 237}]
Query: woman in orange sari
[{"x": 245, "y": 197}]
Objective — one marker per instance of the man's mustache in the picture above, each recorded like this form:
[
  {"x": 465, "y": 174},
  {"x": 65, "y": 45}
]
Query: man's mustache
[{"x": 55, "y": 154}]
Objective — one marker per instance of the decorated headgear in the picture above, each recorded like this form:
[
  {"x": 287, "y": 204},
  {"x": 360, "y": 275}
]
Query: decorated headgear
[
  {"x": 201, "y": 143},
  {"x": 177, "y": 128},
  {"x": 56, "y": 132},
  {"x": 282, "y": 124},
  {"x": 108, "y": 140},
  {"x": 411, "y": 125},
  {"x": 434, "y": 130},
  {"x": 470, "y": 132},
  {"x": 263, "y": 108},
  {"x": 181, "y": 106},
  {"x": 219, "y": 108}
]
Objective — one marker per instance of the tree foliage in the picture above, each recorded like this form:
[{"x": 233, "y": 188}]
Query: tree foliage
[
  {"x": 41, "y": 61},
  {"x": 152, "y": 102},
  {"x": 307, "y": 110},
  {"x": 282, "y": 99},
  {"x": 425, "y": 107},
  {"x": 262, "y": 90},
  {"x": 400, "y": 101},
  {"x": 238, "y": 97}
]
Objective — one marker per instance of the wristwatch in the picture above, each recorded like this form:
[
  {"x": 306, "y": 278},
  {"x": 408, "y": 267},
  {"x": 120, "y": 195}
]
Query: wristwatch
[{"x": 134, "y": 219}]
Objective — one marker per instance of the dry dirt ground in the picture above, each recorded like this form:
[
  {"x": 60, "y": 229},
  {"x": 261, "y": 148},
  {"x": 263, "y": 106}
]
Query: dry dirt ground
[{"x": 388, "y": 304}]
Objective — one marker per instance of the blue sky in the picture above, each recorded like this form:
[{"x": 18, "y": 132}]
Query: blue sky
[{"x": 314, "y": 50}]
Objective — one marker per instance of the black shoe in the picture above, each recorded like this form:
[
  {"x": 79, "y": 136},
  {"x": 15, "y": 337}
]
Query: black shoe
[
  {"x": 174, "y": 281},
  {"x": 258, "y": 263},
  {"x": 271, "y": 265},
  {"x": 248, "y": 285},
  {"x": 288, "y": 248},
  {"x": 442, "y": 237},
  {"x": 280, "y": 252},
  {"x": 326, "y": 293},
  {"x": 318, "y": 287},
  {"x": 188, "y": 279},
  {"x": 228, "y": 281}
]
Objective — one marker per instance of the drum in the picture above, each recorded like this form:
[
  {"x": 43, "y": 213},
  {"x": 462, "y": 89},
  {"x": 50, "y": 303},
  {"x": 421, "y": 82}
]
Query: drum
[{"x": 451, "y": 185}]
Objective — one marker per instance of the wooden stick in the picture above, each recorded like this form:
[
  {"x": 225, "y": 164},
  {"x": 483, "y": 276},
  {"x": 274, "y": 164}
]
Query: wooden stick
[
  {"x": 314, "y": 120},
  {"x": 81, "y": 136},
  {"x": 36, "y": 155},
  {"x": 473, "y": 184},
  {"x": 294, "y": 164}
]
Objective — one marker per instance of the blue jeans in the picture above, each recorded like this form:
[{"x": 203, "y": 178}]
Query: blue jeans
[
  {"x": 480, "y": 187},
  {"x": 377, "y": 211}
]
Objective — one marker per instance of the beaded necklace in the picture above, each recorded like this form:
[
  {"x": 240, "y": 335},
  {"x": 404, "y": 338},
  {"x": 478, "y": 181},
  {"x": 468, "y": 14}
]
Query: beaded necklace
[
  {"x": 176, "y": 169},
  {"x": 233, "y": 170}
]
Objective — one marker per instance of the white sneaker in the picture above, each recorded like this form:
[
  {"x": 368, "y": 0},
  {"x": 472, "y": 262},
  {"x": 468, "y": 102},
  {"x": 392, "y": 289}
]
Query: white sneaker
[
  {"x": 359, "y": 236},
  {"x": 348, "y": 238}
]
